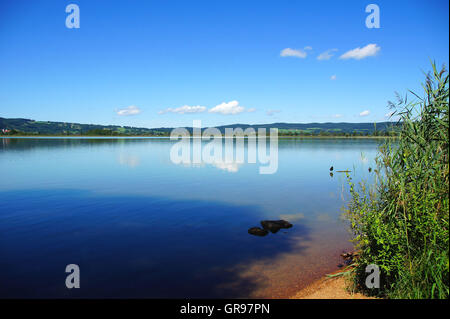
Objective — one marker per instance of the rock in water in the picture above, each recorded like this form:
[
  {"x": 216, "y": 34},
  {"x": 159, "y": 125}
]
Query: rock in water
[
  {"x": 275, "y": 225},
  {"x": 257, "y": 231}
]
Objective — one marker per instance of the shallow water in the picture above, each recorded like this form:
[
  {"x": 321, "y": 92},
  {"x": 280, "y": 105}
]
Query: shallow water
[{"x": 139, "y": 225}]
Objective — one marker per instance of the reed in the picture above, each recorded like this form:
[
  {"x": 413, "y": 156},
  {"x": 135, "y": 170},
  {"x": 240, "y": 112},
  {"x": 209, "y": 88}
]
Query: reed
[{"x": 400, "y": 222}]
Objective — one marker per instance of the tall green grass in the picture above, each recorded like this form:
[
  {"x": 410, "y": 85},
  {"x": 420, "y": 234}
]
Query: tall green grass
[{"x": 400, "y": 222}]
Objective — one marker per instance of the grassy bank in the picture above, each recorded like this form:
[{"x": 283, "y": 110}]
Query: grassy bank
[{"x": 400, "y": 223}]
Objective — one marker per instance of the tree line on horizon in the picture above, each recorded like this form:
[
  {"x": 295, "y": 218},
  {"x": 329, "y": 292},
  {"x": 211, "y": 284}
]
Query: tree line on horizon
[{"x": 26, "y": 127}]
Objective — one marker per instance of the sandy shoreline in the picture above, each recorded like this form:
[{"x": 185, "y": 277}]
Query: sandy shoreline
[{"x": 329, "y": 288}]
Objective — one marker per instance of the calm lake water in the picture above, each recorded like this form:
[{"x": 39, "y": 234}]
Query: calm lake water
[{"x": 139, "y": 225}]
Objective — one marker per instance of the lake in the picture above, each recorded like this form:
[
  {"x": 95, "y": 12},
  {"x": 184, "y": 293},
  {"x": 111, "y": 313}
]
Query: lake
[{"x": 140, "y": 226}]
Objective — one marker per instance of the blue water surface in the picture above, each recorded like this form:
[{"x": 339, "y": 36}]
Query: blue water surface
[{"x": 140, "y": 226}]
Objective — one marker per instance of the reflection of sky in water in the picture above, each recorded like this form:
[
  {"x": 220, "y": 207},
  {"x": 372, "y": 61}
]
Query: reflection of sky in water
[
  {"x": 134, "y": 183},
  {"x": 143, "y": 167},
  {"x": 129, "y": 160},
  {"x": 135, "y": 166},
  {"x": 231, "y": 167}
]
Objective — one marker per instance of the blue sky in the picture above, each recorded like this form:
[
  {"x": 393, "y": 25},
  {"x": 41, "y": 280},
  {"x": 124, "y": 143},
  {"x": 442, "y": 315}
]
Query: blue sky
[{"x": 156, "y": 59}]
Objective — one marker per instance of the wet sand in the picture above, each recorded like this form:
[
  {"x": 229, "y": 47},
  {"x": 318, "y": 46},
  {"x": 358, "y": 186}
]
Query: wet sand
[{"x": 329, "y": 288}]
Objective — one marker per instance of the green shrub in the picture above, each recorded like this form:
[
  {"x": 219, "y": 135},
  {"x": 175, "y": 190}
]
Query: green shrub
[{"x": 400, "y": 222}]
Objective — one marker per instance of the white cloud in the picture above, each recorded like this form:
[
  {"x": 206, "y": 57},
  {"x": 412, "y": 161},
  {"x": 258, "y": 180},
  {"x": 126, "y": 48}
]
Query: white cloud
[
  {"x": 337, "y": 116},
  {"x": 307, "y": 48},
  {"x": 333, "y": 77},
  {"x": 361, "y": 53},
  {"x": 184, "y": 109},
  {"x": 326, "y": 55},
  {"x": 250, "y": 110},
  {"x": 272, "y": 112},
  {"x": 297, "y": 53},
  {"x": 130, "y": 110},
  {"x": 364, "y": 113},
  {"x": 389, "y": 114},
  {"x": 232, "y": 107}
]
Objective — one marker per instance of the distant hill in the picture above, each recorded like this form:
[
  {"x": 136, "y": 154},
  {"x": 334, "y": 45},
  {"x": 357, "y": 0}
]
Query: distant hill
[
  {"x": 28, "y": 126},
  {"x": 316, "y": 128},
  {"x": 21, "y": 126}
]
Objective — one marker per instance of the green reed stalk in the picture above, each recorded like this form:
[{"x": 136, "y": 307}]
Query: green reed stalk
[{"x": 401, "y": 222}]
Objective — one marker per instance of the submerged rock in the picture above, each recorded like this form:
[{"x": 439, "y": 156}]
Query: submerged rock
[
  {"x": 349, "y": 255},
  {"x": 346, "y": 255},
  {"x": 275, "y": 225},
  {"x": 348, "y": 261},
  {"x": 256, "y": 231}
]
